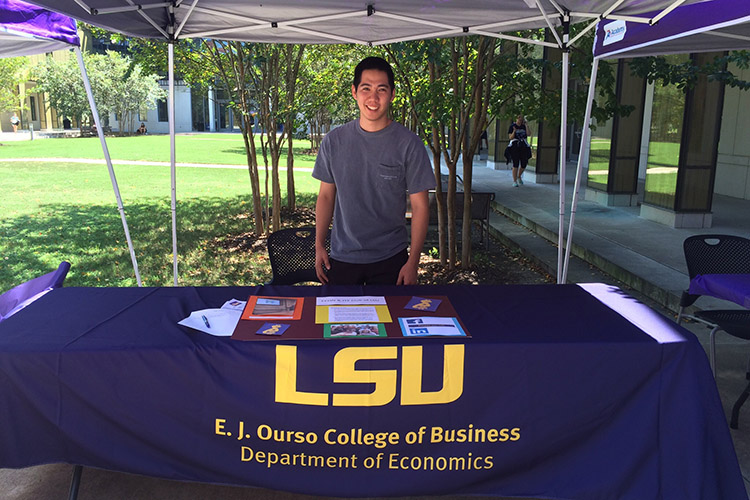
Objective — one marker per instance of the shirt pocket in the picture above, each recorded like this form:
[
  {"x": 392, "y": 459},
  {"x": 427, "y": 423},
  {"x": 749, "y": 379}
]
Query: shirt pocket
[{"x": 390, "y": 173}]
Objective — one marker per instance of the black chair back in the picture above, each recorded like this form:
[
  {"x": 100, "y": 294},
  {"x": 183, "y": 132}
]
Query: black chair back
[
  {"x": 292, "y": 255},
  {"x": 717, "y": 254}
]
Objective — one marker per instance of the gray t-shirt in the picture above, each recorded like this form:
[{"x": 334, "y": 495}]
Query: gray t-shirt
[{"x": 372, "y": 171}]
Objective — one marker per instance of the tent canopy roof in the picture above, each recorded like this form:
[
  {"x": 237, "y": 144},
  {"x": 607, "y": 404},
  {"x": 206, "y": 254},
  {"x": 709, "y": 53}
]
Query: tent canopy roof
[
  {"x": 716, "y": 25},
  {"x": 26, "y": 29},
  {"x": 339, "y": 21}
]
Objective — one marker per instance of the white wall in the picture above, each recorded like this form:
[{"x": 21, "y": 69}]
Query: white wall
[{"x": 733, "y": 161}]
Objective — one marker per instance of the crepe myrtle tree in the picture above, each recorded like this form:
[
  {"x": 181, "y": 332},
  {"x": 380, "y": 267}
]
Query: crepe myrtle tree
[
  {"x": 233, "y": 63},
  {"x": 275, "y": 76},
  {"x": 450, "y": 104}
]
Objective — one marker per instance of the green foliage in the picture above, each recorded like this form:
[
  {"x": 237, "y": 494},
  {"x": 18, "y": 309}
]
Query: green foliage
[
  {"x": 61, "y": 80},
  {"x": 118, "y": 84},
  {"x": 326, "y": 80},
  {"x": 685, "y": 73},
  {"x": 12, "y": 73}
]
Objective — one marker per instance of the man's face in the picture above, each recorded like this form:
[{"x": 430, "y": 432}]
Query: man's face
[{"x": 373, "y": 96}]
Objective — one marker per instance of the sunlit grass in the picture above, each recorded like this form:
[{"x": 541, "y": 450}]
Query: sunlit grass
[
  {"x": 192, "y": 148},
  {"x": 54, "y": 211}
]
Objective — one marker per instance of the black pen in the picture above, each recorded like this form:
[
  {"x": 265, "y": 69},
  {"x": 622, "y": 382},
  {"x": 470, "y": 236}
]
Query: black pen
[{"x": 205, "y": 320}]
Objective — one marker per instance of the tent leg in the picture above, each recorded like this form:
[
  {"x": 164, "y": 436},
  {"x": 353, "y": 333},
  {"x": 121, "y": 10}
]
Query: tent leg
[
  {"x": 582, "y": 160},
  {"x": 100, "y": 133},
  {"x": 172, "y": 162},
  {"x": 563, "y": 156},
  {"x": 75, "y": 482}
]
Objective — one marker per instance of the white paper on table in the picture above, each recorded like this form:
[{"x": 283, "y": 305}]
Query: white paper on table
[
  {"x": 223, "y": 321},
  {"x": 350, "y": 301},
  {"x": 352, "y": 314}
]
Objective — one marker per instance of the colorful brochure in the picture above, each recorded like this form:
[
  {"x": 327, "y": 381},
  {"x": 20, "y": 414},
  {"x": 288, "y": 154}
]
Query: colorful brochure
[
  {"x": 273, "y": 308},
  {"x": 422, "y": 304},
  {"x": 272, "y": 329},
  {"x": 354, "y": 330},
  {"x": 352, "y": 314},
  {"x": 431, "y": 326}
]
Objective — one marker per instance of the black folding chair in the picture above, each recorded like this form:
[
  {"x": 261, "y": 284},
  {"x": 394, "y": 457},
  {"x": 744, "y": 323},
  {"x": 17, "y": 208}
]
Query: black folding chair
[
  {"x": 736, "y": 323},
  {"x": 719, "y": 254},
  {"x": 292, "y": 255},
  {"x": 713, "y": 254}
]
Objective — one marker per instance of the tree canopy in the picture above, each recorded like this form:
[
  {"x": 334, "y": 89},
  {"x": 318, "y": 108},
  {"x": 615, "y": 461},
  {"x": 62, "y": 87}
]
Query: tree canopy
[{"x": 119, "y": 86}]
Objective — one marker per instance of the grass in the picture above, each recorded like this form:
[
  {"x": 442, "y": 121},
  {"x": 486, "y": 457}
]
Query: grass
[
  {"x": 53, "y": 211},
  {"x": 194, "y": 148}
]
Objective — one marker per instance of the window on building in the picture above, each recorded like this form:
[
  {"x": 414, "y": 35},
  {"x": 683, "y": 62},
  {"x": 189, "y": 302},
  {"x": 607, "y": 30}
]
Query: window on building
[
  {"x": 32, "y": 107},
  {"x": 161, "y": 109},
  {"x": 667, "y": 116}
]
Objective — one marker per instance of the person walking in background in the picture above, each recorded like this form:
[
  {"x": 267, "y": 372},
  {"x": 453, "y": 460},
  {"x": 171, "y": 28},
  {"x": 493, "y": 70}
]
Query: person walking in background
[
  {"x": 520, "y": 151},
  {"x": 15, "y": 121}
]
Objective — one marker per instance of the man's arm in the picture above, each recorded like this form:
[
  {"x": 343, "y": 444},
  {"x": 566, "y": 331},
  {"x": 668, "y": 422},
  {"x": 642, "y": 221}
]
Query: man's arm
[
  {"x": 420, "y": 219},
  {"x": 323, "y": 216}
]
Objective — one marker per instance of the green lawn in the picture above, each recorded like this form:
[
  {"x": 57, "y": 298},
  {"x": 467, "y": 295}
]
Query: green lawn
[
  {"x": 57, "y": 211},
  {"x": 193, "y": 148}
]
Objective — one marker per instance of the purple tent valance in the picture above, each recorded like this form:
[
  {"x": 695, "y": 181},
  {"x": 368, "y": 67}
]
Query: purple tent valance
[
  {"x": 26, "y": 29},
  {"x": 714, "y": 25}
]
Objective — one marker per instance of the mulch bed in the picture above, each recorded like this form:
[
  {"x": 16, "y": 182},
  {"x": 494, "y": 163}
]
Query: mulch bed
[{"x": 494, "y": 265}]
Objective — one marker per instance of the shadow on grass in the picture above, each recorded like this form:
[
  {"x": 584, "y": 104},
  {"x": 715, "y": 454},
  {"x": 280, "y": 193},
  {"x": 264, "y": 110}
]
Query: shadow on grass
[
  {"x": 92, "y": 239},
  {"x": 300, "y": 153}
]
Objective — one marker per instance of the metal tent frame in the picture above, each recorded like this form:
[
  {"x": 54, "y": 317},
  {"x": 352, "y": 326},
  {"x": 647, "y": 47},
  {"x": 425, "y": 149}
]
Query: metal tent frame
[{"x": 369, "y": 22}]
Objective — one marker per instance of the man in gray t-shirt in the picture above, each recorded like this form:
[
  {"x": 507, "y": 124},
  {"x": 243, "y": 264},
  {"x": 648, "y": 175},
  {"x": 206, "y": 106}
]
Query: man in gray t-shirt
[{"x": 366, "y": 169}]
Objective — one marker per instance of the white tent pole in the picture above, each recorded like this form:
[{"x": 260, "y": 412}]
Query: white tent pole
[
  {"x": 172, "y": 163},
  {"x": 108, "y": 159},
  {"x": 563, "y": 156},
  {"x": 583, "y": 157}
]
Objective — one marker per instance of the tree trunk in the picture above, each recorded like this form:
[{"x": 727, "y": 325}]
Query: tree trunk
[{"x": 291, "y": 196}]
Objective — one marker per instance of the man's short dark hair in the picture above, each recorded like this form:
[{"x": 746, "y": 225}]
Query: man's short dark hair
[{"x": 377, "y": 63}]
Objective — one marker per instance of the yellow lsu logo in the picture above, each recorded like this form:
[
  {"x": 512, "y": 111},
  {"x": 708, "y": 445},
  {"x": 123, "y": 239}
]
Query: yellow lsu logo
[{"x": 385, "y": 381}]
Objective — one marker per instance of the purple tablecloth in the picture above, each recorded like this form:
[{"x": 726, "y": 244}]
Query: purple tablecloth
[
  {"x": 732, "y": 287},
  {"x": 562, "y": 391}
]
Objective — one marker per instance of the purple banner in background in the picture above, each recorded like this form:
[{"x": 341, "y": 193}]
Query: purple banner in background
[
  {"x": 25, "y": 19},
  {"x": 680, "y": 31}
]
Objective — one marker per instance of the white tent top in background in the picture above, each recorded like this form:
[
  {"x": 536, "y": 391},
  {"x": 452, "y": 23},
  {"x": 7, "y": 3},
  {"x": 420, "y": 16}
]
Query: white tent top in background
[
  {"x": 368, "y": 22},
  {"x": 341, "y": 21},
  {"x": 27, "y": 29},
  {"x": 716, "y": 25}
]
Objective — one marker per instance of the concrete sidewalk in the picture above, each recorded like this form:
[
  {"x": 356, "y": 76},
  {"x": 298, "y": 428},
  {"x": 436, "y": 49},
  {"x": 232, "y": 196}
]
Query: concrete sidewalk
[{"x": 644, "y": 255}]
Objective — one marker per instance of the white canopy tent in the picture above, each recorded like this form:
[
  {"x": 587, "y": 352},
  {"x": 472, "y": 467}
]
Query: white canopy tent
[
  {"x": 709, "y": 26},
  {"x": 25, "y": 30},
  {"x": 367, "y": 22}
]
